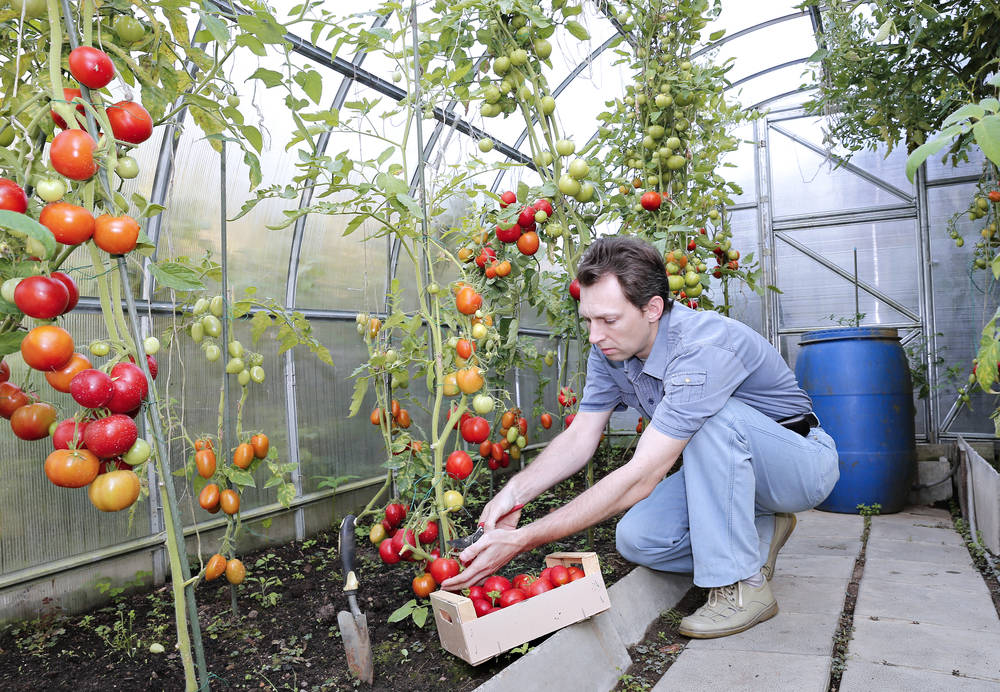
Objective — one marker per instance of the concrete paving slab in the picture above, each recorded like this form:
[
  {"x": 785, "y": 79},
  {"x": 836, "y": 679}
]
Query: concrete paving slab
[
  {"x": 787, "y": 633},
  {"x": 817, "y": 523},
  {"x": 968, "y": 610},
  {"x": 830, "y": 566},
  {"x": 734, "y": 671},
  {"x": 864, "y": 676},
  {"x": 812, "y": 545},
  {"x": 936, "y": 533},
  {"x": 808, "y": 594},
  {"x": 921, "y": 573},
  {"x": 914, "y": 512},
  {"x": 587, "y": 656},
  {"x": 927, "y": 646},
  {"x": 956, "y": 557},
  {"x": 640, "y": 597}
]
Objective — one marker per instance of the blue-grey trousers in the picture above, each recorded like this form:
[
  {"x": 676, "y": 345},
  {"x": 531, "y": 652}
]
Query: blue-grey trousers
[{"x": 715, "y": 516}]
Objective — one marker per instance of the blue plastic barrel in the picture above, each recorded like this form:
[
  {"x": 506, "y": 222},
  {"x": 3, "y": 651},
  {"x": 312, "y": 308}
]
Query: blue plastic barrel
[{"x": 859, "y": 382}]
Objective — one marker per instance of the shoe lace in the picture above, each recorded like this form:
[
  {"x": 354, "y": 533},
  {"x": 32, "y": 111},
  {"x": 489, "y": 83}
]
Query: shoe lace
[{"x": 733, "y": 593}]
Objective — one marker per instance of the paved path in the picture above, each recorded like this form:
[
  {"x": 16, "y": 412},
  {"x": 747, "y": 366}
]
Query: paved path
[{"x": 923, "y": 618}]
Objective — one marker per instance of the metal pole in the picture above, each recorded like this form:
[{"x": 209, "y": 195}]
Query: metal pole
[
  {"x": 857, "y": 303},
  {"x": 925, "y": 281}
]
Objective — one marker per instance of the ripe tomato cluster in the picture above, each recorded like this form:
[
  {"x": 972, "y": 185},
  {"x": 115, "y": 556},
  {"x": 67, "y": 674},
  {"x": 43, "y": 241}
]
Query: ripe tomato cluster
[
  {"x": 497, "y": 592},
  {"x": 567, "y": 400},
  {"x": 218, "y": 565},
  {"x": 400, "y": 416},
  {"x": 213, "y": 496}
]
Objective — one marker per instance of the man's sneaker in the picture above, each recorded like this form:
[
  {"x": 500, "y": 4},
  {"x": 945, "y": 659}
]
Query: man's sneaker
[
  {"x": 730, "y": 609},
  {"x": 784, "y": 524}
]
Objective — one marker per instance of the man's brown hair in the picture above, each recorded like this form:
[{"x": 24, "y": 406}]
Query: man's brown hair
[{"x": 635, "y": 263}]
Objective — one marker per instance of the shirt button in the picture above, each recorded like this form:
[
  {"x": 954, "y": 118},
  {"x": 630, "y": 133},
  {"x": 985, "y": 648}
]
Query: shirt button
[
  {"x": 687, "y": 379},
  {"x": 649, "y": 400}
]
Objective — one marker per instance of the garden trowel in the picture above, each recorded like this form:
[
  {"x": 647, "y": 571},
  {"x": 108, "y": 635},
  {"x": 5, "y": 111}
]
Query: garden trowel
[{"x": 353, "y": 625}]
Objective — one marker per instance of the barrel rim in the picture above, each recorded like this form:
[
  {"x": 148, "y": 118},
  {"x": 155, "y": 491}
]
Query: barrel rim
[{"x": 841, "y": 333}]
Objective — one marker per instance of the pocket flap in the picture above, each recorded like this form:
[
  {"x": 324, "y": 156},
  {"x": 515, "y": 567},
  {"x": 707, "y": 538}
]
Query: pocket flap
[{"x": 688, "y": 378}]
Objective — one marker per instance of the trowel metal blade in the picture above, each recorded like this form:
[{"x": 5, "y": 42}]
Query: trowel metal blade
[{"x": 357, "y": 645}]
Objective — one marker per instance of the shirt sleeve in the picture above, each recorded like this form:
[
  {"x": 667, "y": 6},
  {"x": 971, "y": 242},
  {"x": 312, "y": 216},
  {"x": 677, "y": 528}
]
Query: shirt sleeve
[
  {"x": 696, "y": 385},
  {"x": 600, "y": 393}
]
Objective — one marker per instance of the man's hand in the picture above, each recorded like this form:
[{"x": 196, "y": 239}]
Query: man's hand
[
  {"x": 502, "y": 512},
  {"x": 484, "y": 557}
]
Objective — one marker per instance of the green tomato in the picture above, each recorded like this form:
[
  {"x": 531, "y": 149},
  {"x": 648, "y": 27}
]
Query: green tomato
[
  {"x": 99, "y": 348},
  {"x": 453, "y": 499},
  {"x": 6, "y": 136},
  {"x": 236, "y": 349},
  {"x": 212, "y": 325},
  {"x": 151, "y": 345},
  {"x": 541, "y": 216},
  {"x": 673, "y": 143},
  {"x": 565, "y": 147},
  {"x": 548, "y": 105},
  {"x": 676, "y": 162},
  {"x": 397, "y": 76},
  {"x": 662, "y": 100},
  {"x": 213, "y": 353},
  {"x": 243, "y": 378},
  {"x": 512, "y": 434},
  {"x": 30, "y": 8},
  {"x": 50, "y": 190},
  {"x": 586, "y": 193},
  {"x": 139, "y": 452},
  {"x": 521, "y": 441},
  {"x": 129, "y": 29},
  {"x": 675, "y": 281},
  {"x": 200, "y": 306},
  {"x": 543, "y": 49},
  {"x": 545, "y": 158},
  {"x": 35, "y": 248},
  {"x": 501, "y": 65},
  {"x": 568, "y": 185},
  {"x": 519, "y": 57},
  {"x": 232, "y": 100},
  {"x": 694, "y": 291},
  {"x": 197, "y": 332},
  {"x": 483, "y": 404},
  {"x": 127, "y": 167},
  {"x": 215, "y": 306},
  {"x": 549, "y": 358},
  {"x": 235, "y": 365},
  {"x": 685, "y": 66},
  {"x": 579, "y": 169},
  {"x": 486, "y": 145},
  {"x": 491, "y": 94},
  {"x": 7, "y": 289},
  {"x": 692, "y": 278},
  {"x": 257, "y": 374}
]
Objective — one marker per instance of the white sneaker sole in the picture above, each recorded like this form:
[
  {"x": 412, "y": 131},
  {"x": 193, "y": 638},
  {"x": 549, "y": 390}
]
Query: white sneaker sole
[{"x": 763, "y": 615}]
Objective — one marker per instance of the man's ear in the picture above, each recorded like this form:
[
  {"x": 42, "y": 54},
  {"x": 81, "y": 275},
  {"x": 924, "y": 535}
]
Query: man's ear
[{"x": 654, "y": 308}]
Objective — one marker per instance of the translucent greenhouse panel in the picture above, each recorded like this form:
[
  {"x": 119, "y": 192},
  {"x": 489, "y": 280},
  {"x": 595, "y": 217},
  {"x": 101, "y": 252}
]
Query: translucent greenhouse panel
[
  {"x": 739, "y": 16},
  {"x": 938, "y": 168},
  {"x": 330, "y": 443},
  {"x": 961, "y": 308},
  {"x": 41, "y": 522},
  {"x": 746, "y": 304},
  {"x": 813, "y": 295},
  {"x": 578, "y": 106},
  {"x": 803, "y": 182},
  {"x": 739, "y": 166},
  {"x": 771, "y": 46}
]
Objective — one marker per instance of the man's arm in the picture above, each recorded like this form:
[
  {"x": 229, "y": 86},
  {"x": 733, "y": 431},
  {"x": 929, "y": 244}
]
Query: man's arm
[
  {"x": 654, "y": 456},
  {"x": 562, "y": 457}
]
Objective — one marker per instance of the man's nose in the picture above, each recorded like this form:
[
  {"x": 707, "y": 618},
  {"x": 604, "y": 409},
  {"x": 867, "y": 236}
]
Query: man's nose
[{"x": 593, "y": 336}]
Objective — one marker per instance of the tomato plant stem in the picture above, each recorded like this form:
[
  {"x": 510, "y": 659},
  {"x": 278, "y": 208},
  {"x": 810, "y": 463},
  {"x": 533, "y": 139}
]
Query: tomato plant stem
[{"x": 100, "y": 272}]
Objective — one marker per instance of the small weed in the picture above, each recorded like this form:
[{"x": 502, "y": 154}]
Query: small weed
[
  {"x": 264, "y": 595},
  {"x": 121, "y": 637},
  {"x": 104, "y": 586}
]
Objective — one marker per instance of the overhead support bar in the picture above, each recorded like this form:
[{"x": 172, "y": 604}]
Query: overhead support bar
[{"x": 846, "y": 218}]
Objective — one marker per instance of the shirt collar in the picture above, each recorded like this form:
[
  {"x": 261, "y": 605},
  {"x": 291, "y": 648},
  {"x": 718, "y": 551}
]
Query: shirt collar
[{"x": 658, "y": 358}]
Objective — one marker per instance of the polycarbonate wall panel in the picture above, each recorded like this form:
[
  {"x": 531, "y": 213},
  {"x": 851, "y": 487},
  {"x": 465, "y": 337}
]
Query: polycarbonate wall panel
[
  {"x": 777, "y": 44},
  {"x": 330, "y": 443},
  {"x": 40, "y": 522},
  {"x": 939, "y": 167},
  {"x": 960, "y": 307},
  {"x": 813, "y": 295},
  {"x": 746, "y": 304}
]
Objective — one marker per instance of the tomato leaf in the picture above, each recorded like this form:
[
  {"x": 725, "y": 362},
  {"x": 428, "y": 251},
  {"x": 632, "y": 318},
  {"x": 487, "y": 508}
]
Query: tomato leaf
[
  {"x": 176, "y": 276},
  {"x": 403, "y": 611},
  {"x": 11, "y": 342},
  {"x": 22, "y": 225},
  {"x": 928, "y": 149},
  {"x": 311, "y": 83},
  {"x": 576, "y": 28},
  {"x": 216, "y": 27},
  {"x": 987, "y": 133},
  {"x": 360, "y": 389},
  {"x": 258, "y": 325},
  {"x": 239, "y": 476},
  {"x": 286, "y": 493},
  {"x": 420, "y": 616}
]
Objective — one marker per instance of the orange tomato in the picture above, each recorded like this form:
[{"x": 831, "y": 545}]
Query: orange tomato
[
  {"x": 464, "y": 348},
  {"x": 450, "y": 384},
  {"x": 503, "y": 269},
  {"x": 546, "y": 420},
  {"x": 70, "y": 224},
  {"x": 229, "y": 501},
  {"x": 235, "y": 572},
  {"x": 202, "y": 444},
  {"x": 395, "y": 408},
  {"x": 470, "y": 380},
  {"x": 243, "y": 456},
  {"x": 403, "y": 419},
  {"x": 485, "y": 448},
  {"x": 60, "y": 379},
  {"x": 71, "y": 468},
  {"x": 376, "y": 416},
  {"x": 260, "y": 445},
  {"x": 491, "y": 272},
  {"x": 114, "y": 491},
  {"x": 374, "y": 325},
  {"x": 528, "y": 243},
  {"x": 468, "y": 301},
  {"x": 507, "y": 419},
  {"x": 204, "y": 460},
  {"x": 423, "y": 585},
  {"x": 215, "y": 567},
  {"x": 208, "y": 498},
  {"x": 116, "y": 235}
]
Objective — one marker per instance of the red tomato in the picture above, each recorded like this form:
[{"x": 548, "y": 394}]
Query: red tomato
[
  {"x": 459, "y": 465},
  {"x": 468, "y": 301},
  {"x": 477, "y": 592},
  {"x": 464, "y": 348},
  {"x": 61, "y": 379},
  {"x": 496, "y": 584},
  {"x": 482, "y": 606},
  {"x": 546, "y": 420},
  {"x": 47, "y": 347},
  {"x": 400, "y": 538},
  {"x": 423, "y": 585},
  {"x": 111, "y": 436},
  {"x": 69, "y": 95},
  {"x": 130, "y": 122},
  {"x": 72, "y": 154},
  {"x": 528, "y": 243},
  {"x": 74, "y": 293},
  {"x": 569, "y": 419},
  {"x": 475, "y": 430},
  {"x": 395, "y": 513},
  {"x": 12, "y": 197},
  {"x": 91, "y": 388},
  {"x": 493, "y": 464},
  {"x": 539, "y": 586},
  {"x": 4, "y": 371},
  {"x": 522, "y": 425},
  {"x": 70, "y": 224},
  {"x": 12, "y": 398},
  {"x": 507, "y": 199},
  {"x": 543, "y": 205},
  {"x": 574, "y": 289},
  {"x": 559, "y": 575},
  {"x": 485, "y": 448},
  {"x": 429, "y": 534},
  {"x": 486, "y": 255},
  {"x": 32, "y": 422},
  {"x": 41, "y": 297},
  {"x": 509, "y": 235},
  {"x": 576, "y": 573},
  {"x": 651, "y": 201},
  {"x": 154, "y": 368},
  {"x": 91, "y": 67},
  {"x": 69, "y": 434},
  {"x": 71, "y": 468},
  {"x": 522, "y": 581},
  {"x": 526, "y": 217},
  {"x": 114, "y": 491},
  {"x": 116, "y": 235},
  {"x": 512, "y": 596},
  {"x": 386, "y": 553},
  {"x": 444, "y": 568}
]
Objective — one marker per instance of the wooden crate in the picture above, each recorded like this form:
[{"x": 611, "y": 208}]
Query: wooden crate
[{"x": 475, "y": 640}]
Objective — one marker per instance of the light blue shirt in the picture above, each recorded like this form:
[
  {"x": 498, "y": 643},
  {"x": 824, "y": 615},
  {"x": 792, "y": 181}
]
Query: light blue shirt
[{"x": 698, "y": 361}]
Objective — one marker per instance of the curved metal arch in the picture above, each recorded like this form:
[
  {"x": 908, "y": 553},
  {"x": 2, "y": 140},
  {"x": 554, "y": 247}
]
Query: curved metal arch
[{"x": 749, "y": 30}]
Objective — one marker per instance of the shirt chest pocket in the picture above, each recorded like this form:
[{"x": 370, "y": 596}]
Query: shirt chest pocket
[{"x": 685, "y": 387}]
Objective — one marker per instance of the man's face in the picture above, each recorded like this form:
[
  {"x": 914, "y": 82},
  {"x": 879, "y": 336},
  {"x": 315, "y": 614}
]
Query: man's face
[{"x": 618, "y": 328}]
